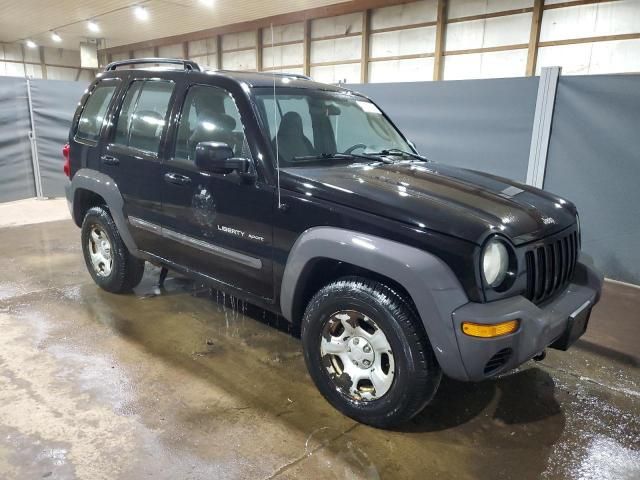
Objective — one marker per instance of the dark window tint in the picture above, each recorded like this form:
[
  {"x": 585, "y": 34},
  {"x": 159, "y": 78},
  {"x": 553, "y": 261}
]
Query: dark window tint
[
  {"x": 209, "y": 114},
  {"x": 94, "y": 111},
  {"x": 143, "y": 113}
]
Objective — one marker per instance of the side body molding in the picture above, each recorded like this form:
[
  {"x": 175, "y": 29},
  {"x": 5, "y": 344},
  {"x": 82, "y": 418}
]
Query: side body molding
[
  {"x": 434, "y": 288},
  {"x": 105, "y": 186}
]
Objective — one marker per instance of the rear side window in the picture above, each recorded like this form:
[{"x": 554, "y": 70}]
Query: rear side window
[
  {"x": 142, "y": 117},
  {"x": 95, "y": 110}
]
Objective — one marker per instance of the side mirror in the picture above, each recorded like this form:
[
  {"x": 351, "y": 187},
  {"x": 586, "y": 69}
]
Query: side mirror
[{"x": 217, "y": 157}]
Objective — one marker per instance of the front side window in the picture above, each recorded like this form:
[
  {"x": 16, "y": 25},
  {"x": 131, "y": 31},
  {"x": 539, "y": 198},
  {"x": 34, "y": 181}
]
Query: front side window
[
  {"x": 95, "y": 110},
  {"x": 209, "y": 114},
  {"x": 312, "y": 125},
  {"x": 142, "y": 117}
]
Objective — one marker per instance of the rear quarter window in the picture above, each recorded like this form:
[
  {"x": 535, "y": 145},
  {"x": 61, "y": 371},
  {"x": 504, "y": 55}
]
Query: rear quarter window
[{"x": 95, "y": 110}]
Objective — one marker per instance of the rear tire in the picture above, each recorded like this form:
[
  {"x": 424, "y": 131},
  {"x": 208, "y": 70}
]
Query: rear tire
[
  {"x": 355, "y": 328},
  {"x": 109, "y": 262}
]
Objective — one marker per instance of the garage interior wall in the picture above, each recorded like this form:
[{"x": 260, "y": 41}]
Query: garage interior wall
[
  {"x": 424, "y": 40},
  {"x": 17, "y": 60}
]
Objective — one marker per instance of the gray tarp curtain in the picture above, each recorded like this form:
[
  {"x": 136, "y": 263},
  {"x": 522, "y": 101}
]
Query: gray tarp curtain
[
  {"x": 593, "y": 158},
  {"x": 16, "y": 173},
  {"x": 481, "y": 124},
  {"x": 54, "y": 103}
]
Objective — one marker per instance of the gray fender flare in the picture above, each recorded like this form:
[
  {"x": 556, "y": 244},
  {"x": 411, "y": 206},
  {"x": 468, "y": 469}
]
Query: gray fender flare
[
  {"x": 105, "y": 186},
  {"x": 432, "y": 285}
]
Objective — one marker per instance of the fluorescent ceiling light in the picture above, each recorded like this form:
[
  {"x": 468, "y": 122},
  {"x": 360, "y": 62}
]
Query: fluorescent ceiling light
[
  {"x": 207, "y": 3},
  {"x": 141, "y": 13},
  {"x": 31, "y": 44},
  {"x": 55, "y": 37},
  {"x": 93, "y": 26}
]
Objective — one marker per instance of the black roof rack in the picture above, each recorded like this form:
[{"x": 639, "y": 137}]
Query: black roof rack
[
  {"x": 285, "y": 74},
  {"x": 187, "y": 64}
]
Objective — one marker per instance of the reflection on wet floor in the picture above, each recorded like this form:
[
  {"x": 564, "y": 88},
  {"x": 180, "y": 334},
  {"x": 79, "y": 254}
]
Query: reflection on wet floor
[{"x": 189, "y": 382}]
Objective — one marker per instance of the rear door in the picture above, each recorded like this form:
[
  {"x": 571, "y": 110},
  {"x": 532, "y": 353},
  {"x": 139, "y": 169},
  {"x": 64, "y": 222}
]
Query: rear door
[
  {"x": 219, "y": 224},
  {"x": 131, "y": 156}
]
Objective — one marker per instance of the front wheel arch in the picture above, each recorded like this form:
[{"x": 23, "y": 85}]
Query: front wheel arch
[
  {"x": 321, "y": 271},
  {"x": 429, "y": 282}
]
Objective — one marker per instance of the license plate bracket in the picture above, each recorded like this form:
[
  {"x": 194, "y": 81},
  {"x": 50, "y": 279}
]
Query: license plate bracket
[{"x": 576, "y": 326}]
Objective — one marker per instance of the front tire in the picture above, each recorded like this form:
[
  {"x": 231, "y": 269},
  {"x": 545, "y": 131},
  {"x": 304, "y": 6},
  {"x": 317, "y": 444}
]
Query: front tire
[
  {"x": 109, "y": 262},
  {"x": 367, "y": 352}
]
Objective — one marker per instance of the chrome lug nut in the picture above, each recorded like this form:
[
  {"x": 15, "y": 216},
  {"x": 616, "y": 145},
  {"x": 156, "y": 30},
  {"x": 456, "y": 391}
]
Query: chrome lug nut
[
  {"x": 366, "y": 363},
  {"x": 356, "y": 341},
  {"x": 366, "y": 349}
]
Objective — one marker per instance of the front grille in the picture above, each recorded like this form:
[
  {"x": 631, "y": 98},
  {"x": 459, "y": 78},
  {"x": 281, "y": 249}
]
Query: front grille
[
  {"x": 550, "y": 267},
  {"x": 498, "y": 361}
]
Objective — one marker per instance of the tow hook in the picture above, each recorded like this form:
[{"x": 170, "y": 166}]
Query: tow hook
[{"x": 541, "y": 356}]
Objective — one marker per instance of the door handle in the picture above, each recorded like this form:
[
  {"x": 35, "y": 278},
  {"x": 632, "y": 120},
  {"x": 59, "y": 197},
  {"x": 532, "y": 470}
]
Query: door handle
[
  {"x": 110, "y": 160},
  {"x": 176, "y": 179}
]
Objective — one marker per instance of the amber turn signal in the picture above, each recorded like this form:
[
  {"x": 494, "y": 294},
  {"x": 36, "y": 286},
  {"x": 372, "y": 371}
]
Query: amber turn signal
[{"x": 490, "y": 331}]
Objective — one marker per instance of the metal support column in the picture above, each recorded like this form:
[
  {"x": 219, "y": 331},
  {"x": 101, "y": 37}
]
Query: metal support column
[
  {"x": 542, "y": 126},
  {"x": 34, "y": 146}
]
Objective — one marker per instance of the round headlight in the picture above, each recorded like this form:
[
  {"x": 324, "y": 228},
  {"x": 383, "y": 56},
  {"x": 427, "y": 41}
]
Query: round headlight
[{"x": 495, "y": 262}]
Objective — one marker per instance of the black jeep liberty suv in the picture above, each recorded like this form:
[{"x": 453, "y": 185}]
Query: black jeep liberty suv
[{"x": 306, "y": 200}]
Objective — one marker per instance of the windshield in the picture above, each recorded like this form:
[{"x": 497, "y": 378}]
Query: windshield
[{"x": 319, "y": 126}]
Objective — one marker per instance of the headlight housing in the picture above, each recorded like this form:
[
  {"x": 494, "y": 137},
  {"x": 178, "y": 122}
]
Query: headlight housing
[{"x": 495, "y": 262}]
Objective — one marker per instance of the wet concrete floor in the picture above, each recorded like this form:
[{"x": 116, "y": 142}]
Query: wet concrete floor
[{"x": 188, "y": 385}]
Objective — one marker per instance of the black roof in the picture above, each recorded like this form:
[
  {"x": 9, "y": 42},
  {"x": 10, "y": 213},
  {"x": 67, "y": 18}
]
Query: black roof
[{"x": 265, "y": 79}]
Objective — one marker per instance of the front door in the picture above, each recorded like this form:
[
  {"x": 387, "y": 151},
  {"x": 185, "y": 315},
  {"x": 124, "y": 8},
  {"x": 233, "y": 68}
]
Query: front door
[{"x": 218, "y": 224}]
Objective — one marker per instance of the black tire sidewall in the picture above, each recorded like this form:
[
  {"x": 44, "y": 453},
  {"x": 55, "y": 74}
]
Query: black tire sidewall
[
  {"x": 376, "y": 412},
  {"x": 100, "y": 217}
]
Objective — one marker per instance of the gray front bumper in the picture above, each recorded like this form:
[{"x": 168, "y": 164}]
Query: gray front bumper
[{"x": 539, "y": 327}]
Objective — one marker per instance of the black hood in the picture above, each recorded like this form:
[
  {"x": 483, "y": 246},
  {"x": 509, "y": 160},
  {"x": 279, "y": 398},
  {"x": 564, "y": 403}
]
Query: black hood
[{"x": 463, "y": 203}]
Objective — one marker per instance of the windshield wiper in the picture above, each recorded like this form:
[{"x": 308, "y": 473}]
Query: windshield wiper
[
  {"x": 399, "y": 152},
  {"x": 339, "y": 156}
]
